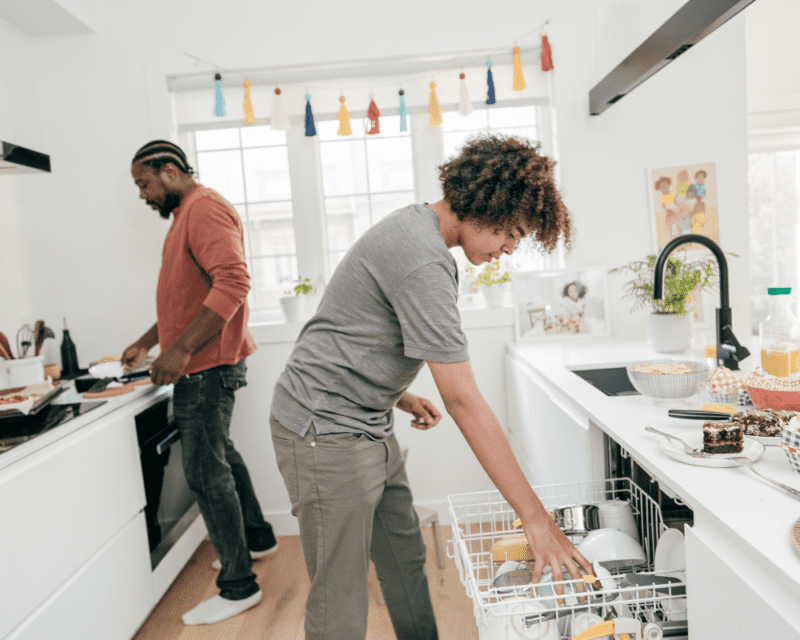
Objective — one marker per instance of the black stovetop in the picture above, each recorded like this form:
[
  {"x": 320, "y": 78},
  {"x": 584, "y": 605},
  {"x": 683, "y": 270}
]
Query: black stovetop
[{"x": 16, "y": 430}]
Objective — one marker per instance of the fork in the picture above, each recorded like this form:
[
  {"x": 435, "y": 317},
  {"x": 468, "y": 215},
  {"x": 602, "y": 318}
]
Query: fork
[
  {"x": 690, "y": 451},
  {"x": 747, "y": 462}
]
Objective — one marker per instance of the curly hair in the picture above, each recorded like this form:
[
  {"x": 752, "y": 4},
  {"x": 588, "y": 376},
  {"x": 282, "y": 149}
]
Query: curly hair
[{"x": 502, "y": 181}]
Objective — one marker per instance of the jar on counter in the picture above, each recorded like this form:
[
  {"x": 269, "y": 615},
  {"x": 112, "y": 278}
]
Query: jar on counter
[{"x": 779, "y": 335}]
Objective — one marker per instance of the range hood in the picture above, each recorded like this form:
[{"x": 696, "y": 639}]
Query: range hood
[
  {"x": 688, "y": 26},
  {"x": 16, "y": 159}
]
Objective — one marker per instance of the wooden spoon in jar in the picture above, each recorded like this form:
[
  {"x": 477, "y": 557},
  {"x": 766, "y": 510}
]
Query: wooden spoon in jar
[
  {"x": 5, "y": 347},
  {"x": 38, "y": 337}
]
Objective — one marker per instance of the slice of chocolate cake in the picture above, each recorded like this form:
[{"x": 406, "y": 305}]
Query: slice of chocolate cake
[{"x": 722, "y": 437}]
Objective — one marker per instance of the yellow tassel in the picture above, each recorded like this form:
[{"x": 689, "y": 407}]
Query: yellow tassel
[
  {"x": 433, "y": 109},
  {"x": 519, "y": 81},
  {"x": 249, "y": 116},
  {"x": 344, "y": 120}
]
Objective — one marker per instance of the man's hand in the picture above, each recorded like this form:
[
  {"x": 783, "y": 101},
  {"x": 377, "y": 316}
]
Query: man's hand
[
  {"x": 133, "y": 356},
  {"x": 170, "y": 364},
  {"x": 426, "y": 415}
]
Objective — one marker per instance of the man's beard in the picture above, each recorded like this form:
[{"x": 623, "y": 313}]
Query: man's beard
[{"x": 171, "y": 201}]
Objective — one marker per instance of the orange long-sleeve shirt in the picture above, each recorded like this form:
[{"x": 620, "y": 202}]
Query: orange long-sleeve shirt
[{"x": 203, "y": 264}]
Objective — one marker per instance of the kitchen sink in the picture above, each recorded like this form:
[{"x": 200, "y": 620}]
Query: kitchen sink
[{"x": 612, "y": 380}]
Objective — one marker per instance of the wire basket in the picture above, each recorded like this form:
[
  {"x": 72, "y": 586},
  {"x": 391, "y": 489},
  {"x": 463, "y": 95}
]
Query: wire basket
[{"x": 481, "y": 519}]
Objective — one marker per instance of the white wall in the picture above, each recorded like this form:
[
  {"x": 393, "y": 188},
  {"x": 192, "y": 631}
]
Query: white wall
[{"x": 96, "y": 250}]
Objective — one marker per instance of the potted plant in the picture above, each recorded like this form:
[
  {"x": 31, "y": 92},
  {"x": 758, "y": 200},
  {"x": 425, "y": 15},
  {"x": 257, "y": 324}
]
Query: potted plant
[
  {"x": 669, "y": 325},
  {"x": 293, "y": 302},
  {"x": 491, "y": 282}
]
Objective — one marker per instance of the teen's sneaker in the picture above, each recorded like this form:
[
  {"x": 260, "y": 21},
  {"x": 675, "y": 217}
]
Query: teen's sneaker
[{"x": 255, "y": 555}]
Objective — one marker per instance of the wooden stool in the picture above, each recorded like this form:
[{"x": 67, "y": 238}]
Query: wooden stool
[{"x": 426, "y": 517}]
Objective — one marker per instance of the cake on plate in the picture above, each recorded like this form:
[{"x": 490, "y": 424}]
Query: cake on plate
[
  {"x": 765, "y": 423},
  {"x": 722, "y": 437}
]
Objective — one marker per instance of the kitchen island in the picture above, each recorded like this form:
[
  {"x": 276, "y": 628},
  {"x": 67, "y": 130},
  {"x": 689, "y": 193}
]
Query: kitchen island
[
  {"x": 743, "y": 573},
  {"x": 74, "y": 548}
]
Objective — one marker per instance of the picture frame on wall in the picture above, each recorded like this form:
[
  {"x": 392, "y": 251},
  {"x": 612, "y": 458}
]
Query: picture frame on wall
[
  {"x": 683, "y": 200},
  {"x": 560, "y": 304}
]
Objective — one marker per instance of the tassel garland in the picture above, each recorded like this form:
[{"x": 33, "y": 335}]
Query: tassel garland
[
  {"x": 279, "y": 120},
  {"x": 490, "y": 82},
  {"x": 464, "y": 106},
  {"x": 310, "y": 130},
  {"x": 519, "y": 80},
  {"x": 249, "y": 116},
  {"x": 373, "y": 113},
  {"x": 344, "y": 120},
  {"x": 219, "y": 100},
  {"x": 403, "y": 111},
  {"x": 433, "y": 107},
  {"x": 547, "y": 55}
]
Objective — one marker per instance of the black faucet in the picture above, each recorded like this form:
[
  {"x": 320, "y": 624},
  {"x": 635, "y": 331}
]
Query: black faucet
[{"x": 729, "y": 351}]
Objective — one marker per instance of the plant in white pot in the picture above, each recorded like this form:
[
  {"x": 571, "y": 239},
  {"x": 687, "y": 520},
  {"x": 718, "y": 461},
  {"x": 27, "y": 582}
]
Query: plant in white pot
[
  {"x": 491, "y": 282},
  {"x": 293, "y": 303},
  {"x": 669, "y": 325}
]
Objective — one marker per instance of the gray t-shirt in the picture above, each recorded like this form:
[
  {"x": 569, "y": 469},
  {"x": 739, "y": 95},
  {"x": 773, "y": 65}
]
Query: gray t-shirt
[{"x": 389, "y": 307}]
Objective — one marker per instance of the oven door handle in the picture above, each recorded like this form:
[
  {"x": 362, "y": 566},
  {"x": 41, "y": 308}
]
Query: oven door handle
[{"x": 163, "y": 446}]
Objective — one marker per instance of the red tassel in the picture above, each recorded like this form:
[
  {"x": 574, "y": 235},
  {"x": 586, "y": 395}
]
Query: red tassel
[
  {"x": 373, "y": 113},
  {"x": 547, "y": 55}
]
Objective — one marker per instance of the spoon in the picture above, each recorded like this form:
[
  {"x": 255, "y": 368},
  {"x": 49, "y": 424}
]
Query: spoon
[{"x": 690, "y": 451}]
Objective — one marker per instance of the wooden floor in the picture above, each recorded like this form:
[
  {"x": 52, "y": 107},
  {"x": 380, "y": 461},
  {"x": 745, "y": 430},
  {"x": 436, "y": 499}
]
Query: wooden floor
[{"x": 284, "y": 582}]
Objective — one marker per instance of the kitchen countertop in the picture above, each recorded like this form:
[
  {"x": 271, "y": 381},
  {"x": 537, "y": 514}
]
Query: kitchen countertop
[
  {"x": 754, "y": 514},
  {"x": 138, "y": 398}
]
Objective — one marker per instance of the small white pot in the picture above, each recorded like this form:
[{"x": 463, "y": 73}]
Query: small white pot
[
  {"x": 495, "y": 295},
  {"x": 293, "y": 307},
  {"x": 23, "y": 371},
  {"x": 669, "y": 333}
]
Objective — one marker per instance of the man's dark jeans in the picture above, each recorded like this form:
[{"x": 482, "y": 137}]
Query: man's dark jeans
[{"x": 218, "y": 477}]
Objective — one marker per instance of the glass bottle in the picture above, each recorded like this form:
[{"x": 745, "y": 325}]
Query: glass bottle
[{"x": 779, "y": 335}]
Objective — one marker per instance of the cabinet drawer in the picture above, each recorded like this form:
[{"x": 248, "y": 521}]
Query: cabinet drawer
[
  {"x": 107, "y": 599},
  {"x": 730, "y": 597},
  {"x": 60, "y": 506}
]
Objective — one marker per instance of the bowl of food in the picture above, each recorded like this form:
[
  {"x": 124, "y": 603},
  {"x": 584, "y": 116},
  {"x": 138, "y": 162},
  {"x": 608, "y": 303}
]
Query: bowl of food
[
  {"x": 774, "y": 398},
  {"x": 667, "y": 381}
]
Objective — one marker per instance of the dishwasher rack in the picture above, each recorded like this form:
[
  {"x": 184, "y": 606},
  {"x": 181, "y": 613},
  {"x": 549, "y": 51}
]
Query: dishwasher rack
[{"x": 480, "y": 519}]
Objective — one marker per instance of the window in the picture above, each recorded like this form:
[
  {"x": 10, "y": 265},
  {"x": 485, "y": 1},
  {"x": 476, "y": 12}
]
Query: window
[
  {"x": 774, "y": 182},
  {"x": 365, "y": 177},
  {"x": 249, "y": 166}
]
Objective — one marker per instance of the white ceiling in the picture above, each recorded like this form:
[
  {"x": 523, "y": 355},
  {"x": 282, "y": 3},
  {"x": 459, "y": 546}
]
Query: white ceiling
[{"x": 49, "y": 17}]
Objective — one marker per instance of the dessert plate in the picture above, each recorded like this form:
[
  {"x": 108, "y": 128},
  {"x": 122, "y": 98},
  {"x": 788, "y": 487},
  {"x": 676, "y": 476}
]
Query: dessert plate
[
  {"x": 767, "y": 440},
  {"x": 750, "y": 449}
]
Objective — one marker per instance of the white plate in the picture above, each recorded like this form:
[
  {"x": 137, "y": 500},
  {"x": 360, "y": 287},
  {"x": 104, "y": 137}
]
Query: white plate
[
  {"x": 750, "y": 449},
  {"x": 107, "y": 370},
  {"x": 767, "y": 440},
  {"x": 670, "y": 558}
]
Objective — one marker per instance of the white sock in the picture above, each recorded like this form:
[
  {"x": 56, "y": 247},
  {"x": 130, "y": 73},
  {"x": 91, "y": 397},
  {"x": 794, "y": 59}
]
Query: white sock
[{"x": 219, "y": 608}]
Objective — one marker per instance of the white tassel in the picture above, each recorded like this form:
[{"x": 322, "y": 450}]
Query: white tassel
[
  {"x": 465, "y": 106},
  {"x": 279, "y": 119}
]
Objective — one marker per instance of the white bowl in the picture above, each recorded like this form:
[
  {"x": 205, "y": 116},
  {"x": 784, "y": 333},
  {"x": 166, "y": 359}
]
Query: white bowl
[
  {"x": 669, "y": 386},
  {"x": 611, "y": 548}
]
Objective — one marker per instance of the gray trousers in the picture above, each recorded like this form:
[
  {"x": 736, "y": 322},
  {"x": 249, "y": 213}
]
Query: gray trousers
[{"x": 351, "y": 497}]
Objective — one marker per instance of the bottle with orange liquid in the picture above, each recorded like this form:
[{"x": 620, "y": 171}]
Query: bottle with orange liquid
[{"x": 780, "y": 335}]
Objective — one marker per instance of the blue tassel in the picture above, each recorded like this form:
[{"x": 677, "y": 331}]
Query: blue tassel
[
  {"x": 403, "y": 112},
  {"x": 219, "y": 101},
  {"x": 310, "y": 130},
  {"x": 490, "y": 95}
]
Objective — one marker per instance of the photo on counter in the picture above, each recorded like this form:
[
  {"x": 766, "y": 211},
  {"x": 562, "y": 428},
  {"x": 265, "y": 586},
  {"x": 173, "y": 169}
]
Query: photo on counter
[
  {"x": 560, "y": 304},
  {"x": 683, "y": 201}
]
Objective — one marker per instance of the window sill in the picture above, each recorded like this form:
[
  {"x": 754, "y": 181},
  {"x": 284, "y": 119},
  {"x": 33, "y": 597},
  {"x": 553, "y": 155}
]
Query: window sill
[{"x": 473, "y": 317}]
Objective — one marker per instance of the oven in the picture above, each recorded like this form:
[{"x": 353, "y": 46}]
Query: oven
[{"x": 171, "y": 508}]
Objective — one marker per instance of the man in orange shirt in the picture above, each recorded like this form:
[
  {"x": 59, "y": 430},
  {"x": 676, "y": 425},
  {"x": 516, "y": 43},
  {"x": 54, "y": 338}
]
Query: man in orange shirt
[{"x": 201, "y": 305}]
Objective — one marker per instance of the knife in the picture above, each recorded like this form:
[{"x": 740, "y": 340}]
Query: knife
[{"x": 691, "y": 414}]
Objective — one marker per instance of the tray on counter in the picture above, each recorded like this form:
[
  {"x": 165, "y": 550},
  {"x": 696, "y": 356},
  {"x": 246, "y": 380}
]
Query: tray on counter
[{"x": 11, "y": 413}]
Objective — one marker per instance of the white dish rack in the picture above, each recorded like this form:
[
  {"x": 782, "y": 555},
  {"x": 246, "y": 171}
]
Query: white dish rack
[{"x": 480, "y": 519}]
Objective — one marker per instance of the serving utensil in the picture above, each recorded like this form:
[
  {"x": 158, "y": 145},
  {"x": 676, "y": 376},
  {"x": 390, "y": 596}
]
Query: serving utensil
[
  {"x": 696, "y": 414},
  {"x": 6, "y": 346},
  {"x": 747, "y": 462},
  {"x": 690, "y": 451}
]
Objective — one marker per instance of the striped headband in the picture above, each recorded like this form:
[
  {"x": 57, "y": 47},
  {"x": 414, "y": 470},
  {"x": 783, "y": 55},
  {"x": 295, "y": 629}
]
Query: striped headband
[{"x": 164, "y": 150}]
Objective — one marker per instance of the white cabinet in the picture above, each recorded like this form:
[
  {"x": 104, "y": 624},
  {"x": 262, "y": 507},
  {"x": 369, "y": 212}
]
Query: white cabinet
[
  {"x": 729, "y": 596},
  {"x": 60, "y": 507},
  {"x": 107, "y": 598},
  {"x": 551, "y": 436}
]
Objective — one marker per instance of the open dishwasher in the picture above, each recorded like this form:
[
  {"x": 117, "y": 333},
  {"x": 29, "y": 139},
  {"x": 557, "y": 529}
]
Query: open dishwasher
[{"x": 482, "y": 519}]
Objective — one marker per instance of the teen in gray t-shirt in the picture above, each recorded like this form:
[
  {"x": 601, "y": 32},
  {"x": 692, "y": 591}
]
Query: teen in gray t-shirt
[{"x": 389, "y": 307}]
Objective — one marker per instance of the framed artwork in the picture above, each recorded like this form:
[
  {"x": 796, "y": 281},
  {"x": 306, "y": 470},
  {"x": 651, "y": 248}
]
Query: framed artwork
[
  {"x": 560, "y": 304},
  {"x": 683, "y": 200}
]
